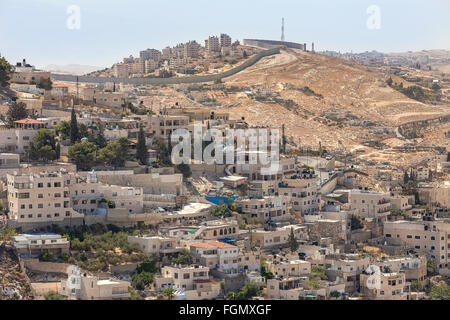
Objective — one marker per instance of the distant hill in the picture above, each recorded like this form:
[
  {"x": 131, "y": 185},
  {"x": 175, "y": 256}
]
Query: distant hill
[{"x": 75, "y": 69}]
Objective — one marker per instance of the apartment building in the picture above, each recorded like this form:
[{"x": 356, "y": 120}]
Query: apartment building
[
  {"x": 431, "y": 237},
  {"x": 385, "y": 286},
  {"x": 335, "y": 230},
  {"x": 150, "y": 54},
  {"x": 284, "y": 267},
  {"x": 286, "y": 288},
  {"x": 401, "y": 203},
  {"x": 31, "y": 245},
  {"x": 225, "y": 41},
  {"x": 40, "y": 197},
  {"x": 193, "y": 280},
  {"x": 31, "y": 76},
  {"x": 207, "y": 231},
  {"x": 435, "y": 193},
  {"x": 212, "y": 44},
  {"x": 54, "y": 196},
  {"x": 216, "y": 255},
  {"x": 18, "y": 139},
  {"x": 249, "y": 260},
  {"x": 87, "y": 194},
  {"x": 162, "y": 126},
  {"x": 214, "y": 230},
  {"x": 81, "y": 286},
  {"x": 121, "y": 70},
  {"x": 370, "y": 204},
  {"x": 414, "y": 267},
  {"x": 304, "y": 193},
  {"x": 102, "y": 98},
  {"x": 348, "y": 267},
  {"x": 421, "y": 173},
  {"x": 276, "y": 238},
  {"x": 156, "y": 244},
  {"x": 191, "y": 49},
  {"x": 150, "y": 65},
  {"x": 271, "y": 208}
]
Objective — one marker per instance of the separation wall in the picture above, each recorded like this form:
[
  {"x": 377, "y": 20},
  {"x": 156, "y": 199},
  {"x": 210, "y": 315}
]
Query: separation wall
[{"x": 161, "y": 81}]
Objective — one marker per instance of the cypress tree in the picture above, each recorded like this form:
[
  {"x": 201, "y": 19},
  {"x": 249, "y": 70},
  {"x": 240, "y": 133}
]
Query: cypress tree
[
  {"x": 73, "y": 127},
  {"x": 58, "y": 151},
  {"x": 292, "y": 241},
  {"x": 101, "y": 140},
  {"x": 141, "y": 148}
]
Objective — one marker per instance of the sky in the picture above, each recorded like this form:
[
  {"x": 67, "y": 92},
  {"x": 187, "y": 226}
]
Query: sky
[{"x": 45, "y": 32}]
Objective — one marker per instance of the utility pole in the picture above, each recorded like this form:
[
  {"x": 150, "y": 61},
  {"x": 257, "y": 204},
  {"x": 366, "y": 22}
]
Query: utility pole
[{"x": 282, "y": 30}]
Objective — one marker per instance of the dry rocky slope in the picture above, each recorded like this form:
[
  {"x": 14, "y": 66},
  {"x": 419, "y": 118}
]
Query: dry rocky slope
[
  {"x": 367, "y": 108},
  {"x": 13, "y": 282}
]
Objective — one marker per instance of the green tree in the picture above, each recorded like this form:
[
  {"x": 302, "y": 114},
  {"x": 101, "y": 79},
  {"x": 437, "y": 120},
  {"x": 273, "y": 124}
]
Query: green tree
[
  {"x": 46, "y": 84},
  {"x": 356, "y": 223},
  {"x": 115, "y": 153},
  {"x": 7, "y": 234},
  {"x": 43, "y": 146},
  {"x": 431, "y": 266},
  {"x": 169, "y": 293},
  {"x": 83, "y": 154},
  {"x": 134, "y": 295},
  {"x": 63, "y": 129},
  {"x": 185, "y": 169},
  {"x": 74, "y": 134},
  {"x": 5, "y": 72},
  {"x": 440, "y": 292},
  {"x": 83, "y": 131},
  {"x": 184, "y": 257},
  {"x": 141, "y": 148},
  {"x": 58, "y": 151},
  {"x": 163, "y": 152},
  {"x": 416, "y": 285},
  {"x": 100, "y": 140},
  {"x": 16, "y": 111},
  {"x": 141, "y": 280},
  {"x": 221, "y": 211},
  {"x": 249, "y": 291},
  {"x": 147, "y": 266},
  {"x": 292, "y": 241},
  {"x": 46, "y": 256},
  {"x": 319, "y": 272},
  {"x": 335, "y": 294}
]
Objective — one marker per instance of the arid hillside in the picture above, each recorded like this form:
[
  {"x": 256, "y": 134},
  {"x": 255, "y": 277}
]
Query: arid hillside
[{"x": 324, "y": 99}]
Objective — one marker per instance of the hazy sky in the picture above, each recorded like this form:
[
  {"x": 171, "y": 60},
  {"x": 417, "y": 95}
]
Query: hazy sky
[{"x": 112, "y": 29}]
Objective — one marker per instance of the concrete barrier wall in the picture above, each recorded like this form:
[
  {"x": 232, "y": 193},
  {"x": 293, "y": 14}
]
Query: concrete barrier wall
[
  {"x": 269, "y": 44},
  {"x": 161, "y": 81}
]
